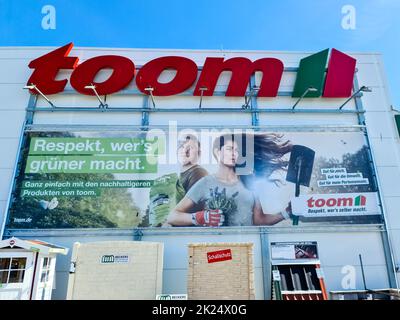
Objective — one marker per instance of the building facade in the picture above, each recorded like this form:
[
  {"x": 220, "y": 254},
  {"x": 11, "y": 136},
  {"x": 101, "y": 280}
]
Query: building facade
[{"x": 351, "y": 131}]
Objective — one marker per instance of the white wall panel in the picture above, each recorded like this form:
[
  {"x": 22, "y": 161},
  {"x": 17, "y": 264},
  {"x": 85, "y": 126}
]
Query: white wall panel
[
  {"x": 9, "y": 148},
  {"x": 302, "y": 119},
  {"x": 392, "y": 205},
  {"x": 11, "y": 123},
  {"x": 379, "y": 124},
  {"x": 395, "y": 240},
  {"x": 389, "y": 179},
  {"x": 175, "y": 281},
  {"x": 13, "y": 97},
  {"x": 83, "y": 118},
  {"x": 201, "y": 119},
  {"x": 368, "y": 75},
  {"x": 375, "y": 100},
  {"x": 258, "y": 283},
  {"x": 385, "y": 152},
  {"x": 14, "y": 71},
  {"x": 61, "y": 284},
  {"x": 3, "y": 205},
  {"x": 5, "y": 177}
]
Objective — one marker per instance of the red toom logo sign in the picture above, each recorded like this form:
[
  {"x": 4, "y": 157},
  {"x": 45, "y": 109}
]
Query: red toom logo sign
[
  {"x": 334, "y": 83},
  {"x": 337, "y": 202},
  {"x": 221, "y": 255}
]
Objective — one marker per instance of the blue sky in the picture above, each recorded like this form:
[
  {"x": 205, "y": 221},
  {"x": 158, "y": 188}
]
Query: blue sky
[{"x": 311, "y": 25}]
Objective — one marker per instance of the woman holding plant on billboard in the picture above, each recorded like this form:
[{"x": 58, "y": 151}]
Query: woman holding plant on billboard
[{"x": 223, "y": 199}]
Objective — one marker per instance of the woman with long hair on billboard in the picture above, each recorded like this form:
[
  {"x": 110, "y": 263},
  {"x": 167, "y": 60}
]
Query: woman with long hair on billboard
[{"x": 225, "y": 198}]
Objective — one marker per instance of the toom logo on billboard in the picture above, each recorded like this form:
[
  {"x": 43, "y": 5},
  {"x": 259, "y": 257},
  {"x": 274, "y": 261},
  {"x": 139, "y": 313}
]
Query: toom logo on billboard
[
  {"x": 332, "y": 81},
  {"x": 336, "y": 204}
]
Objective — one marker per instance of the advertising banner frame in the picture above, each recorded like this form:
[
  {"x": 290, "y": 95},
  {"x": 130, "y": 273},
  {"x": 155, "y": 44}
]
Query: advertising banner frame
[
  {"x": 323, "y": 128},
  {"x": 347, "y": 134}
]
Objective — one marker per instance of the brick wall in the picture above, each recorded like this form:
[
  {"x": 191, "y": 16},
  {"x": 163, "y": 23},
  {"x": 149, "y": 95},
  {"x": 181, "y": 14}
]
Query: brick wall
[{"x": 230, "y": 279}]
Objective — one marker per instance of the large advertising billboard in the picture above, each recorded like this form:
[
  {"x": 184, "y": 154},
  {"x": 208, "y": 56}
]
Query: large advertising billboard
[{"x": 193, "y": 177}]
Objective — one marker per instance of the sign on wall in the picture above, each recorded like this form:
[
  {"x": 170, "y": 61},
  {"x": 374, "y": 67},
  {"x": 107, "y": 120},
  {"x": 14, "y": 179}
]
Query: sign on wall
[
  {"x": 220, "y": 255},
  {"x": 294, "y": 250},
  {"x": 114, "y": 259},
  {"x": 338, "y": 81},
  {"x": 203, "y": 177},
  {"x": 171, "y": 297},
  {"x": 336, "y": 204}
]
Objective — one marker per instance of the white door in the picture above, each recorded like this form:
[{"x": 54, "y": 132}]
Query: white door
[
  {"x": 44, "y": 287},
  {"x": 16, "y": 270}
]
